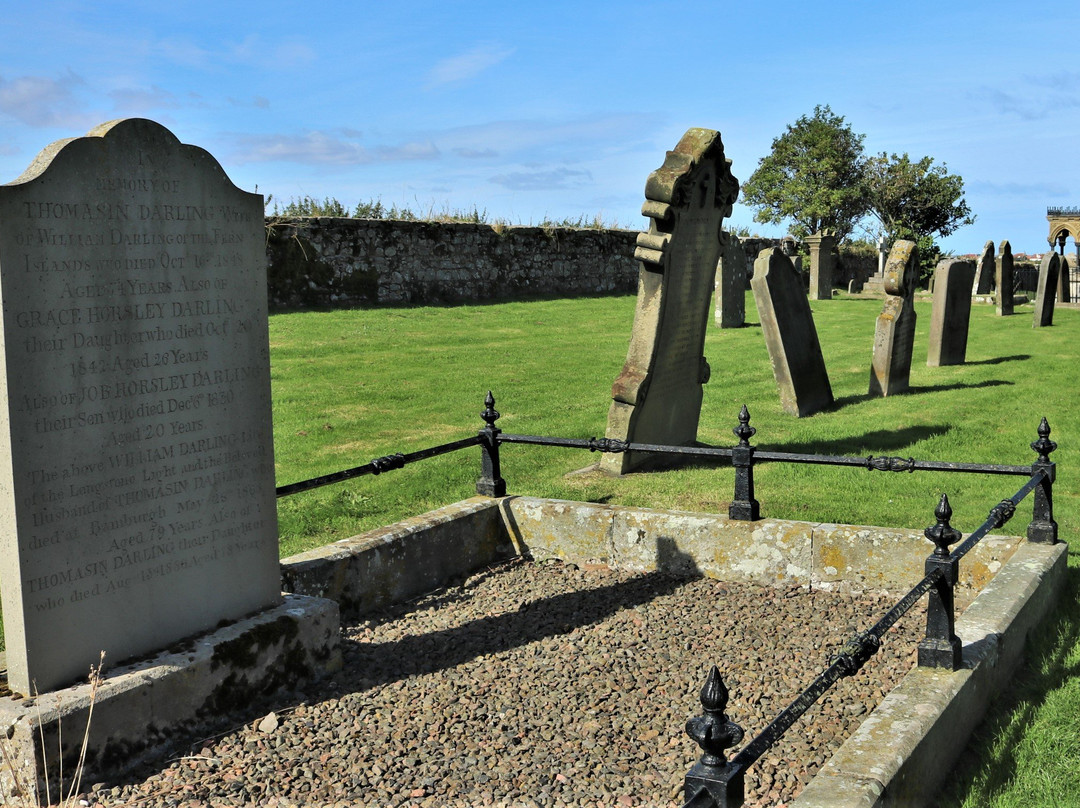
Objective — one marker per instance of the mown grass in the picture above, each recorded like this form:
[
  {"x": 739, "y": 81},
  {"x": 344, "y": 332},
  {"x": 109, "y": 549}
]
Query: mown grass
[{"x": 353, "y": 385}]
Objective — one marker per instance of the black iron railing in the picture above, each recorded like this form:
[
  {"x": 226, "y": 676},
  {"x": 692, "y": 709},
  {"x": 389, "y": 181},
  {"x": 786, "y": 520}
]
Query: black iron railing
[{"x": 715, "y": 781}]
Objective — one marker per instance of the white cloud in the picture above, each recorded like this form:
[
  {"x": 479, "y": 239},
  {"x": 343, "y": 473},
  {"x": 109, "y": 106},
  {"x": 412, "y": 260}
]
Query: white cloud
[
  {"x": 321, "y": 148},
  {"x": 552, "y": 179},
  {"x": 137, "y": 100},
  {"x": 467, "y": 65},
  {"x": 41, "y": 101}
]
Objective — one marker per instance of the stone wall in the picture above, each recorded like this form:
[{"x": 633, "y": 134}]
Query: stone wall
[{"x": 327, "y": 262}]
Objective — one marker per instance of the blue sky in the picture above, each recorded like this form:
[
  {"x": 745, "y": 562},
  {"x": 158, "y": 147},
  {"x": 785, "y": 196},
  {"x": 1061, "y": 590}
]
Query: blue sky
[{"x": 556, "y": 109}]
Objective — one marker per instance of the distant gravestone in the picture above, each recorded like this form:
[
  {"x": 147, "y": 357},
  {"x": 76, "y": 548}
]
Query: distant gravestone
[
  {"x": 731, "y": 284},
  {"x": 790, "y": 248},
  {"x": 822, "y": 263},
  {"x": 657, "y": 396},
  {"x": 984, "y": 271},
  {"x": 894, "y": 335},
  {"x": 788, "y": 327},
  {"x": 1045, "y": 292},
  {"x": 951, "y": 313},
  {"x": 1063, "y": 290},
  {"x": 137, "y": 497},
  {"x": 1003, "y": 281}
]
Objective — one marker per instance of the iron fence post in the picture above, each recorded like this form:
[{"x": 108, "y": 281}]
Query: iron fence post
[
  {"x": 744, "y": 507},
  {"x": 1042, "y": 527},
  {"x": 941, "y": 648},
  {"x": 491, "y": 483},
  {"x": 721, "y": 779}
]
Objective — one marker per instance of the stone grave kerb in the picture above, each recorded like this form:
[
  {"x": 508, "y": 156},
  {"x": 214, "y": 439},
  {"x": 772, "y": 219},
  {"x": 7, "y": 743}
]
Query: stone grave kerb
[
  {"x": 894, "y": 333},
  {"x": 136, "y": 452},
  {"x": 656, "y": 398}
]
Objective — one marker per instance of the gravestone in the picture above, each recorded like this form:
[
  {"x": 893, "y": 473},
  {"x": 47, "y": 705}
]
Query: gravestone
[
  {"x": 1003, "y": 281},
  {"x": 894, "y": 335},
  {"x": 657, "y": 396},
  {"x": 951, "y": 312},
  {"x": 984, "y": 271},
  {"x": 1063, "y": 290},
  {"x": 788, "y": 327},
  {"x": 790, "y": 248},
  {"x": 731, "y": 284},
  {"x": 822, "y": 263},
  {"x": 137, "y": 496},
  {"x": 1046, "y": 291}
]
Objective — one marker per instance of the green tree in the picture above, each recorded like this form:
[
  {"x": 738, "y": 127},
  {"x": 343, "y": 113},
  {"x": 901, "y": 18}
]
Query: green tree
[
  {"x": 914, "y": 199},
  {"x": 813, "y": 177}
]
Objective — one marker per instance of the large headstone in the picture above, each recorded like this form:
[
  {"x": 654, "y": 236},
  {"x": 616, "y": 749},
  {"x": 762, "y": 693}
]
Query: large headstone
[
  {"x": 657, "y": 396},
  {"x": 1046, "y": 290},
  {"x": 951, "y": 313},
  {"x": 822, "y": 263},
  {"x": 984, "y": 271},
  {"x": 1063, "y": 284},
  {"x": 788, "y": 327},
  {"x": 1003, "y": 281},
  {"x": 731, "y": 284},
  {"x": 894, "y": 336},
  {"x": 137, "y": 492}
]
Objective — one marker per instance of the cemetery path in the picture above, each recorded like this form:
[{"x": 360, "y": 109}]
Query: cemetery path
[{"x": 543, "y": 684}]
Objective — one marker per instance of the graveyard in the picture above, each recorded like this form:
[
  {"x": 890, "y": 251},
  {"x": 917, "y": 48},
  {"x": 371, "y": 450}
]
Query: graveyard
[{"x": 159, "y": 373}]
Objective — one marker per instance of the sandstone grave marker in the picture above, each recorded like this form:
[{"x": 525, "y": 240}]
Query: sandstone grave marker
[
  {"x": 894, "y": 335},
  {"x": 657, "y": 396},
  {"x": 984, "y": 271},
  {"x": 731, "y": 284},
  {"x": 788, "y": 327},
  {"x": 137, "y": 491},
  {"x": 822, "y": 262},
  {"x": 951, "y": 312},
  {"x": 1003, "y": 280},
  {"x": 1046, "y": 291}
]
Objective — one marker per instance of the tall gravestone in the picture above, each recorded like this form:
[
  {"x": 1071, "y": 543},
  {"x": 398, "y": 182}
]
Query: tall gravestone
[
  {"x": 137, "y": 487},
  {"x": 822, "y": 264},
  {"x": 731, "y": 284},
  {"x": 788, "y": 327},
  {"x": 1046, "y": 290},
  {"x": 984, "y": 271},
  {"x": 894, "y": 335},
  {"x": 1003, "y": 280},
  {"x": 951, "y": 313},
  {"x": 1063, "y": 288},
  {"x": 657, "y": 396}
]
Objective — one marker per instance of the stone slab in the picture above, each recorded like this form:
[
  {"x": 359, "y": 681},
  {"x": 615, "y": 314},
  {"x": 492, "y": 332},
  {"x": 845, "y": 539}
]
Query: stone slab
[
  {"x": 656, "y": 398},
  {"x": 894, "y": 333},
  {"x": 985, "y": 271},
  {"x": 138, "y": 483},
  {"x": 1046, "y": 290},
  {"x": 1003, "y": 280},
  {"x": 950, "y": 313},
  {"x": 730, "y": 309},
  {"x": 822, "y": 265},
  {"x": 143, "y": 710},
  {"x": 787, "y": 324}
]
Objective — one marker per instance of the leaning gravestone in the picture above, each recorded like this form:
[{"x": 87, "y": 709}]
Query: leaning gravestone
[
  {"x": 788, "y": 327},
  {"x": 1003, "y": 280},
  {"x": 731, "y": 284},
  {"x": 1063, "y": 280},
  {"x": 951, "y": 313},
  {"x": 1046, "y": 290},
  {"x": 984, "y": 271},
  {"x": 657, "y": 396},
  {"x": 137, "y": 496},
  {"x": 894, "y": 335}
]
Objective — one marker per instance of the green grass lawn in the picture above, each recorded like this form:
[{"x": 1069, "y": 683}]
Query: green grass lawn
[{"x": 350, "y": 386}]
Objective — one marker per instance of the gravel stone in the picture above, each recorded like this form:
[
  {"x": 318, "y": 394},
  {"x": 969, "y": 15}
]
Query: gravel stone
[{"x": 543, "y": 684}]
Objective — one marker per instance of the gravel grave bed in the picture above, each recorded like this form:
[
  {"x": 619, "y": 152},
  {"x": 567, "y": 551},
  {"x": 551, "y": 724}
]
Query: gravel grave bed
[{"x": 544, "y": 684}]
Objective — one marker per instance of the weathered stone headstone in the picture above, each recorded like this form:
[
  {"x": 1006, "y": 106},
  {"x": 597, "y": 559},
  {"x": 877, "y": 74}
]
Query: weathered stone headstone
[
  {"x": 731, "y": 284},
  {"x": 1063, "y": 289},
  {"x": 137, "y": 497},
  {"x": 1046, "y": 290},
  {"x": 984, "y": 271},
  {"x": 951, "y": 313},
  {"x": 822, "y": 263},
  {"x": 894, "y": 336},
  {"x": 657, "y": 396},
  {"x": 1003, "y": 281},
  {"x": 788, "y": 327},
  {"x": 790, "y": 248}
]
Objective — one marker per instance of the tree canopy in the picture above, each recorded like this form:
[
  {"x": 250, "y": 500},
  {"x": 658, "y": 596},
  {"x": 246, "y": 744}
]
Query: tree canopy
[
  {"x": 814, "y": 176},
  {"x": 913, "y": 199}
]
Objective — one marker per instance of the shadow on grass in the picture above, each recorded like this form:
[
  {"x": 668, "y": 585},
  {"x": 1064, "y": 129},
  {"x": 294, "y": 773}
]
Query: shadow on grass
[
  {"x": 847, "y": 401},
  {"x": 880, "y": 440},
  {"x": 991, "y": 761},
  {"x": 998, "y": 360}
]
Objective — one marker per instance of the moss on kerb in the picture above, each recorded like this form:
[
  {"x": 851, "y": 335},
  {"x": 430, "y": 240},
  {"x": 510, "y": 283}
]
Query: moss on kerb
[{"x": 244, "y": 651}]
